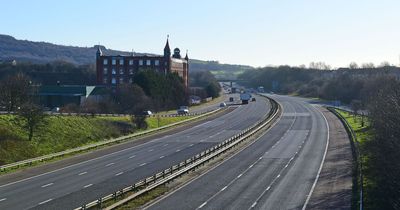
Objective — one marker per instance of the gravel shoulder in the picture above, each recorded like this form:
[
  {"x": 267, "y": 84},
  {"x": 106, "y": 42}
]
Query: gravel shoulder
[{"x": 334, "y": 186}]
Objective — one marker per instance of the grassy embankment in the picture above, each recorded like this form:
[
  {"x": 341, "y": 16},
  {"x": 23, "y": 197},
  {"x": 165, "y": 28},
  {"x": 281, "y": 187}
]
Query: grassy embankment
[
  {"x": 364, "y": 135},
  {"x": 64, "y": 132}
]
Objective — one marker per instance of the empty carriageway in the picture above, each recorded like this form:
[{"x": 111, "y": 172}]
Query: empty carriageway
[{"x": 275, "y": 172}]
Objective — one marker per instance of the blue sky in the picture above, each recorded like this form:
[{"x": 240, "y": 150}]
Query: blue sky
[{"x": 253, "y": 32}]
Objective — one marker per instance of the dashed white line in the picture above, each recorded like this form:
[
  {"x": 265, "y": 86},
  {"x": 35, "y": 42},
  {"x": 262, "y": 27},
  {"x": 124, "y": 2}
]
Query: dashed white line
[
  {"x": 191, "y": 145},
  {"x": 150, "y": 150},
  {"x": 119, "y": 173},
  {"x": 80, "y": 174},
  {"x": 278, "y": 176},
  {"x": 165, "y": 145},
  {"x": 110, "y": 164},
  {"x": 3, "y": 199},
  {"x": 46, "y": 185},
  {"x": 260, "y": 158},
  {"x": 132, "y": 156},
  {"x": 269, "y": 187},
  {"x": 251, "y": 166},
  {"x": 178, "y": 150},
  {"x": 86, "y": 186},
  {"x": 202, "y": 205},
  {"x": 224, "y": 188},
  {"x": 239, "y": 175},
  {"x": 254, "y": 205},
  {"x": 43, "y": 202},
  {"x": 162, "y": 156},
  {"x": 142, "y": 164}
]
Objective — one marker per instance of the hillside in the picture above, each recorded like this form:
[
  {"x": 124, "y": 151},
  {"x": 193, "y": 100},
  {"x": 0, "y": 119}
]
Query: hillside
[{"x": 43, "y": 52}]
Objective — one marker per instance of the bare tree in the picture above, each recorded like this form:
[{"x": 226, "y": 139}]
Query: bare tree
[
  {"x": 31, "y": 117},
  {"x": 353, "y": 65},
  {"x": 14, "y": 91},
  {"x": 368, "y": 65}
]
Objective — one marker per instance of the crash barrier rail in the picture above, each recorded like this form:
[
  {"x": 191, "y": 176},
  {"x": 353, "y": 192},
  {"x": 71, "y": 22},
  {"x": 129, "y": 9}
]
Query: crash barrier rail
[
  {"x": 167, "y": 175},
  {"x": 113, "y": 115},
  {"x": 356, "y": 153},
  {"x": 98, "y": 144}
]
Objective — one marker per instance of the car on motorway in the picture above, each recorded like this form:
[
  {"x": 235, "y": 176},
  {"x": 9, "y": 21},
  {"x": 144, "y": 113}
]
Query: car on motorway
[
  {"x": 147, "y": 113},
  {"x": 222, "y": 104},
  {"x": 253, "y": 99},
  {"x": 183, "y": 110}
]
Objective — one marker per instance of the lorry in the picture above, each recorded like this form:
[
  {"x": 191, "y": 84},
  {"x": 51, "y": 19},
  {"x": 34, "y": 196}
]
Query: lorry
[{"x": 245, "y": 97}]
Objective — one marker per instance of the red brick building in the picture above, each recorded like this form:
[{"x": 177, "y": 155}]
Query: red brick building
[{"x": 113, "y": 70}]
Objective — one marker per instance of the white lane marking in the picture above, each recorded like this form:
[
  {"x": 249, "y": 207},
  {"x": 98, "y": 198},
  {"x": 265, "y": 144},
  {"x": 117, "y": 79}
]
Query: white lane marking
[
  {"x": 239, "y": 175},
  {"x": 119, "y": 173},
  {"x": 191, "y": 145},
  {"x": 178, "y": 150},
  {"x": 80, "y": 174},
  {"x": 142, "y": 164},
  {"x": 203, "y": 140},
  {"x": 110, "y": 164},
  {"x": 224, "y": 188},
  {"x": 43, "y": 202},
  {"x": 151, "y": 150},
  {"x": 3, "y": 199},
  {"x": 269, "y": 187},
  {"x": 322, "y": 161},
  {"x": 162, "y": 156},
  {"x": 132, "y": 156},
  {"x": 202, "y": 205},
  {"x": 278, "y": 176},
  {"x": 251, "y": 166},
  {"x": 46, "y": 185},
  {"x": 260, "y": 158},
  {"x": 165, "y": 145},
  {"x": 254, "y": 205},
  {"x": 86, "y": 186}
]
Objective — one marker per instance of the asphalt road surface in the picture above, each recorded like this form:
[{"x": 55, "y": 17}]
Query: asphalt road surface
[
  {"x": 75, "y": 185},
  {"x": 275, "y": 172}
]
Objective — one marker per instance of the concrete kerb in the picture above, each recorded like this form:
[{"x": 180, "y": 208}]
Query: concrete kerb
[{"x": 187, "y": 165}]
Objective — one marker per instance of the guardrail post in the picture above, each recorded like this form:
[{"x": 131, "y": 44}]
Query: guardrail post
[{"x": 100, "y": 203}]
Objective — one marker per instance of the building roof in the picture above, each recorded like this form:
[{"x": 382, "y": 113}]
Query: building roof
[{"x": 70, "y": 90}]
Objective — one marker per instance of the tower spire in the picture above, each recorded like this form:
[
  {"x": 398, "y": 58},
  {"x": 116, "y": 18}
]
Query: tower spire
[
  {"x": 187, "y": 57},
  {"x": 167, "y": 49}
]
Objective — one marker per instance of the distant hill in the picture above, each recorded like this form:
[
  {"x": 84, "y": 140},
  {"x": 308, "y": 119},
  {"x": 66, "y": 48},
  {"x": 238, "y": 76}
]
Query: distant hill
[{"x": 43, "y": 52}]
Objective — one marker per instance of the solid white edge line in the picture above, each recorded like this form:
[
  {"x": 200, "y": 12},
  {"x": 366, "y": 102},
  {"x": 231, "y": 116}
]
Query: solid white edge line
[
  {"x": 3, "y": 199},
  {"x": 80, "y": 174},
  {"x": 119, "y": 173},
  {"x": 202, "y": 205},
  {"x": 322, "y": 162}
]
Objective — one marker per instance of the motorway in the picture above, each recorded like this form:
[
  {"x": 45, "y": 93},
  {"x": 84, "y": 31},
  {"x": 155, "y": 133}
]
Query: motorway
[
  {"x": 75, "y": 185},
  {"x": 277, "y": 171}
]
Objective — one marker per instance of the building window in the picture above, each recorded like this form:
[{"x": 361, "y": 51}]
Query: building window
[
  {"x": 105, "y": 62},
  {"x": 121, "y": 71},
  {"x": 131, "y": 80},
  {"x": 121, "y": 61},
  {"x": 105, "y": 71},
  {"x": 121, "y": 80},
  {"x": 130, "y": 71},
  {"x": 114, "y": 62},
  {"x": 130, "y": 62},
  {"x": 148, "y": 62},
  {"x": 113, "y": 71},
  {"x": 105, "y": 80},
  {"x": 140, "y": 62},
  {"x": 113, "y": 81},
  {"x": 157, "y": 62}
]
